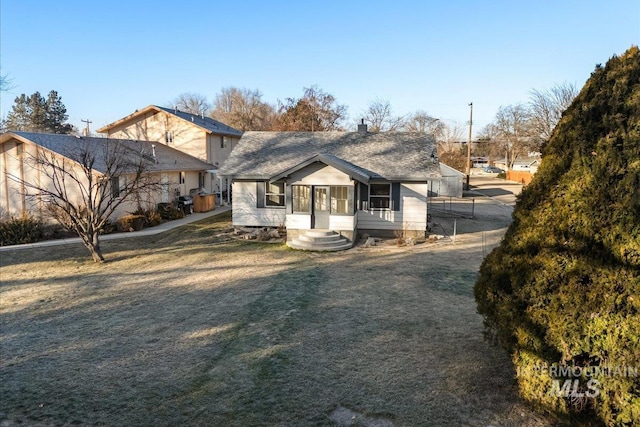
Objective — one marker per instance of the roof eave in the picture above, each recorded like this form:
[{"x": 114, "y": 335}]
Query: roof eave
[{"x": 107, "y": 128}]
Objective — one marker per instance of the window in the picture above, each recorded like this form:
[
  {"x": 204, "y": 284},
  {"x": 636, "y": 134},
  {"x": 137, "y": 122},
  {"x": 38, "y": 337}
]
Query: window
[
  {"x": 115, "y": 186},
  {"x": 301, "y": 195},
  {"x": 379, "y": 196},
  {"x": 168, "y": 138},
  {"x": 20, "y": 148},
  {"x": 201, "y": 179},
  {"x": 183, "y": 177},
  {"x": 275, "y": 194},
  {"x": 223, "y": 142},
  {"x": 339, "y": 200}
]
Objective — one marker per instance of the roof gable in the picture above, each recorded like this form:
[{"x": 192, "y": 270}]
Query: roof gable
[
  {"x": 343, "y": 166},
  {"x": 393, "y": 156},
  {"x": 208, "y": 124},
  {"x": 165, "y": 158}
]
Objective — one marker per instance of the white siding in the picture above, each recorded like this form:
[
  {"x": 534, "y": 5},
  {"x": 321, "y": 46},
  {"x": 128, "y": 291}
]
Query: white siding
[
  {"x": 245, "y": 211},
  {"x": 411, "y": 216},
  {"x": 319, "y": 174},
  {"x": 413, "y": 208},
  {"x": 378, "y": 220},
  {"x": 341, "y": 222},
  {"x": 298, "y": 222}
]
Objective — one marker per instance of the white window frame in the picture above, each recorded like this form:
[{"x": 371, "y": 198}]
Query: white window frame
[
  {"x": 281, "y": 195},
  {"x": 333, "y": 201},
  {"x": 376, "y": 196},
  {"x": 295, "y": 199}
]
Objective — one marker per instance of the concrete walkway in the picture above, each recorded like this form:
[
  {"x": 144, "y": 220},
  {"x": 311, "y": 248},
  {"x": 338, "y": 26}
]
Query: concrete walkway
[{"x": 146, "y": 232}]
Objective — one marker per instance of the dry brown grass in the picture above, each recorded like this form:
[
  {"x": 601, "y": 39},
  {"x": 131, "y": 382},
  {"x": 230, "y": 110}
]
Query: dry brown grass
[{"x": 191, "y": 329}]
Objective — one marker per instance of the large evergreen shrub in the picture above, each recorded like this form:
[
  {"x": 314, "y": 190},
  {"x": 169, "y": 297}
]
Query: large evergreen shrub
[
  {"x": 563, "y": 288},
  {"x": 20, "y": 230}
]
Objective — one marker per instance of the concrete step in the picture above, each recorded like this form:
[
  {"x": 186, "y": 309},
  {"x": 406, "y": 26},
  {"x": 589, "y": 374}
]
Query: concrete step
[
  {"x": 306, "y": 246},
  {"x": 321, "y": 243},
  {"x": 319, "y": 233},
  {"x": 319, "y": 239}
]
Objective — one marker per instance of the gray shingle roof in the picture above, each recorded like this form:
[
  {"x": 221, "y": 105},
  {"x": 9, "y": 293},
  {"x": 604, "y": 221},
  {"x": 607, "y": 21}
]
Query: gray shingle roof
[
  {"x": 390, "y": 155},
  {"x": 166, "y": 158},
  {"x": 208, "y": 123}
]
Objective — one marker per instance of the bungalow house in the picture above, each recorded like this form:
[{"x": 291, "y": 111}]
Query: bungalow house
[
  {"x": 176, "y": 171},
  {"x": 529, "y": 164},
  {"x": 202, "y": 137},
  {"x": 325, "y": 187}
]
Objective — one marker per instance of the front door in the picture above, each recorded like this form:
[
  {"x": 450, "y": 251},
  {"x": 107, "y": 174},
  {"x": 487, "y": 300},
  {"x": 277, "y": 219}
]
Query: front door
[{"x": 321, "y": 207}]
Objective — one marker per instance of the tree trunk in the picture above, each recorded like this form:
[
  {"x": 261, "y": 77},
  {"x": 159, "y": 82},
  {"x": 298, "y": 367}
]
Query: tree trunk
[{"x": 92, "y": 243}]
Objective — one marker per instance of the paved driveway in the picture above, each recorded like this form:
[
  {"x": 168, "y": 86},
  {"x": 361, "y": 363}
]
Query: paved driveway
[{"x": 500, "y": 190}]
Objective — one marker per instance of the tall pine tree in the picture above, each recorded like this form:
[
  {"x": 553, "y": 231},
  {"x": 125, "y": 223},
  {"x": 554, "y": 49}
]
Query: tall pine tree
[{"x": 36, "y": 113}]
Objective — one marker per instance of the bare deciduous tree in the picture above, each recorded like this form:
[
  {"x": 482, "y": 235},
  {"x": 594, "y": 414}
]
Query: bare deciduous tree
[
  {"x": 420, "y": 121},
  {"x": 77, "y": 187},
  {"x": 449, "y": 137},
  {"x": 511, "y": 132},
  {"x": 379, "y": 116},
  {"x": 243, "y": 109},
  {"x": 450, "y": 149},
  {"x": 547, "y": 106},
  {"x": 190, "y": 102},
  {"x": 451, "y": 133},
  {"x": 5, "y": 83}
]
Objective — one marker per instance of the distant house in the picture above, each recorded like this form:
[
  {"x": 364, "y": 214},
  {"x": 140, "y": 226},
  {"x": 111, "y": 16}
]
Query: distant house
[
  {"x": 325, "y": 187},
  {"x": 197, "y": 135},
  {"x": 529, "y": 164},
  {"x": 523, "y": 169},
  {"x": 479, "y": 162},
  {"x": 176, "y": 171}
]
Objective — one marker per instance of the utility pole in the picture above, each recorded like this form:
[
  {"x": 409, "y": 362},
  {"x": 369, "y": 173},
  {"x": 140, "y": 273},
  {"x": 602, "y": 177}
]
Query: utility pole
[
  {"x": 86, "y": 131},
  {"x": 468, "y": 169}
]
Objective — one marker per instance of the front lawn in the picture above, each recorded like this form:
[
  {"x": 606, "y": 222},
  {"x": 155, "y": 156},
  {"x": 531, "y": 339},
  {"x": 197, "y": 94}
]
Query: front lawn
[{"x": 189, "y": 328}]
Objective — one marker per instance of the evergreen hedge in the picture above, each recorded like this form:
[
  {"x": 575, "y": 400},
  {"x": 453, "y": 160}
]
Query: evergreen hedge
[{"x": 562, "y": 291}]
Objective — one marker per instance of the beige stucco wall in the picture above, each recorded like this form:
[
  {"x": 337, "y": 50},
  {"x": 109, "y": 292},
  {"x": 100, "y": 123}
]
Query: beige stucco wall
[
  {"x": 187, "y": 137},
  {"x": 14, "y": 196},
  {"x": 11, "y": 200},
  {"x": 216, "y": 153},
  {"x": 17, "y": 171},
  {"x": 153, "y": 126},
  {"x": 167, "y": 192}
]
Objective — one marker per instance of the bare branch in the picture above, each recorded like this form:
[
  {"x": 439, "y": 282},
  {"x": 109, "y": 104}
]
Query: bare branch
[{"x": 76, "y": 186}]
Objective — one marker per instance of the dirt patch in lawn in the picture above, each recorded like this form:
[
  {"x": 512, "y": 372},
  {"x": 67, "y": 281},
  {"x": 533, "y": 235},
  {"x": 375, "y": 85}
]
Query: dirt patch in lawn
[{"x": 189, "y": 328}]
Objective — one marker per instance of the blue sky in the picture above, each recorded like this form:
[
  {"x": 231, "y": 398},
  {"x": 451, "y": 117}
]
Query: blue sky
[{"x": 106, "y": 59}]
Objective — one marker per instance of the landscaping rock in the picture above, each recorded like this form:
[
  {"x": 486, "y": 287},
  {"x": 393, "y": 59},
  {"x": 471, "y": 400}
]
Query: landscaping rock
[
  {"x": 275, "y": 234},
  {"x": 371, "y": 241}
]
